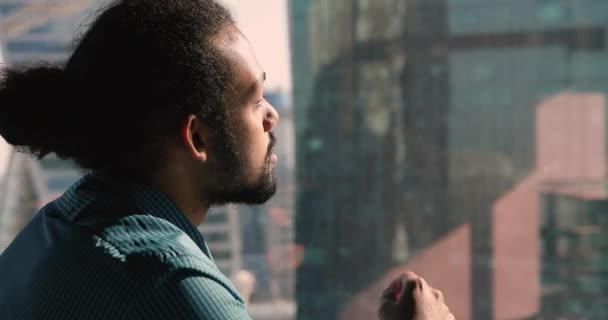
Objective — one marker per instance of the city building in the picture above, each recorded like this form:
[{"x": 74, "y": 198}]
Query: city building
[
  {"x": 417, "y": 147},
  {"x": 222, "y": 233}
]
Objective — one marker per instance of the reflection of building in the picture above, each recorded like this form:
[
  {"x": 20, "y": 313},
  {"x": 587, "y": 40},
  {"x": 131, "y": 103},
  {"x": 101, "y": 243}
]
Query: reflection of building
[
  {"x": 550, "y": 217},
  {"x": 574, "y": 256},
  {"x": 573, "y": 199},
  {"x": 415, "y": 125},
  {"x": 371, "y": 173}
]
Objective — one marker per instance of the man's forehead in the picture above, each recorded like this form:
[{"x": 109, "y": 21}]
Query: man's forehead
[
  {"x": 230, "y": 33},
  {"x": 241, "y": 58}
]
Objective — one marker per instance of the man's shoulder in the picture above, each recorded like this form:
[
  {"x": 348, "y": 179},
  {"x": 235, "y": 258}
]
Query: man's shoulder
[
  {"x": 160, "y": 254},
  {"x": 151, "y": 243}
]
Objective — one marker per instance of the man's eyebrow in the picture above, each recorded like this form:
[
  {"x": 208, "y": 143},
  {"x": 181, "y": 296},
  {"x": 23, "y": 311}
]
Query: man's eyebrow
[
  {"x": 263, "y": 78},
  {"x": 258, "y": 83}
]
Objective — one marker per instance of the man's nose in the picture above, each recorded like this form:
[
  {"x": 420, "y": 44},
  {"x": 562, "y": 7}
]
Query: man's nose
[{"x": 271, "y": 119}]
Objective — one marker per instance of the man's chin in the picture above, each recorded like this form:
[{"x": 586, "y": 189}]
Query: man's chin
[
  {"x": 257, "y": 197},
  {"x": 250, "y": 196}
]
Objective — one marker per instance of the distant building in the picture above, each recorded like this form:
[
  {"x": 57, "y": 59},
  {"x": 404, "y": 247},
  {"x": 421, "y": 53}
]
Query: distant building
[
  {"x": 38, "y": 30},
  {"x": 222, "y": 233}
]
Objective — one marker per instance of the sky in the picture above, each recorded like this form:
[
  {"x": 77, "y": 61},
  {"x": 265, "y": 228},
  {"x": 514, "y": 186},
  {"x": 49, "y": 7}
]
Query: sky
[{"x": 264, "y": 22}]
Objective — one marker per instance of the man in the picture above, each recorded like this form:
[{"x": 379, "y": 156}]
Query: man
[{"x": 163, "y": 101}]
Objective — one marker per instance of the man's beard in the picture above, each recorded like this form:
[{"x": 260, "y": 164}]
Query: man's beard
[{"x": 231, "y": 182}]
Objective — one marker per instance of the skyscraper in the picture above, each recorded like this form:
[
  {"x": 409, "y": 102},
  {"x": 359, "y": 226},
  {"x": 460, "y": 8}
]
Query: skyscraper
[{"x": 416, "y": 124}]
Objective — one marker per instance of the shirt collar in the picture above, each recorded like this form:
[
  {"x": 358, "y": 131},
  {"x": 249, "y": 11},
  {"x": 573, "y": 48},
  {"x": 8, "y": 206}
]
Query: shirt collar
[{"x": 143, "y": 198}]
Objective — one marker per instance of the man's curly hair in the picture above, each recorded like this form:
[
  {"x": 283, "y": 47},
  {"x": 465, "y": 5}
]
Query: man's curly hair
[{"x": 139, "y": 70}]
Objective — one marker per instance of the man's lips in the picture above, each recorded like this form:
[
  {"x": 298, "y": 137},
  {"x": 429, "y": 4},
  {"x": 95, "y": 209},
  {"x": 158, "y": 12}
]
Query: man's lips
[{"x": 271, "y": 156}]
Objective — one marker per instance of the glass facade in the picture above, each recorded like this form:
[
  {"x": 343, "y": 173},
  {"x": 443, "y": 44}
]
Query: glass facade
[
  {"x": 574, "y": 261},
  {"x": 426, "y": 131}
]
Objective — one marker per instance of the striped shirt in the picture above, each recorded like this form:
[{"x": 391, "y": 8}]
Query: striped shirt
[{"x": 110, "y": 250}]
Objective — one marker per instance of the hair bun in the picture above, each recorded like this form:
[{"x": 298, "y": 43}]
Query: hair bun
[{"x": 32, "y": 113}]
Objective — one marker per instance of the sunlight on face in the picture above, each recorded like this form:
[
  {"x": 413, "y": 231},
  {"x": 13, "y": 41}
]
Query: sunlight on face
[{"x": 243, "y": 159}]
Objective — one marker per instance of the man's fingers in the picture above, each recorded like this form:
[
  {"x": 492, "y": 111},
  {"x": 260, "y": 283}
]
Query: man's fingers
[
  {"x": 445, "y": 310},
  {"x": 409, "y": 281},
  {"x": 401, "y": 286},
  {"x": 439, "y": 295},
  {"x": 410, "y": 295},
  {"x": 387, "y": 309},
  {"x": 411, "y": 288},
  {"x": 397, "y": 297},
  {"x": 423, "y": 284},
  {"x": 389, "y": 297},
  {"x": 392, "y": 290}
]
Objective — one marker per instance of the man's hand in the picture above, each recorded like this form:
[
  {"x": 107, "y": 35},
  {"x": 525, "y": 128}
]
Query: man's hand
[{"x": 409, "y": 297}]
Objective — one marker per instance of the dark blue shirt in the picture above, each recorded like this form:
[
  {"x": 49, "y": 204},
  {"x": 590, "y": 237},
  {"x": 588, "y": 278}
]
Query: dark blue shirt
[{"x": 113, "y": 250}]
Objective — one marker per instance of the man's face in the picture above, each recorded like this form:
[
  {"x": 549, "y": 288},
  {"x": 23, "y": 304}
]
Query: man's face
[{"x": 241, "y": 158}]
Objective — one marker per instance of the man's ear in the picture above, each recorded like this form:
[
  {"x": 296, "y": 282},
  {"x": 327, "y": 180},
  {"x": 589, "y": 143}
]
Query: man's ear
[{"x": 194, "y": 137}]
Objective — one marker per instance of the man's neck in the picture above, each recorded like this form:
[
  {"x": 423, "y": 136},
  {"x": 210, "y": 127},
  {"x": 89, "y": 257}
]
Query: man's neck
[{"x": 184, "y": 195}]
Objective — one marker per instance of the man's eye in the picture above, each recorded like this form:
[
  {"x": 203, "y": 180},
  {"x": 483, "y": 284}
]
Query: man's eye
[{"x": 259, "y": 103}]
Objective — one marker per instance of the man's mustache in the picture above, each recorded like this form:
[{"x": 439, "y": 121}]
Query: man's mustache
[{"x": 272, "y": 143}]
